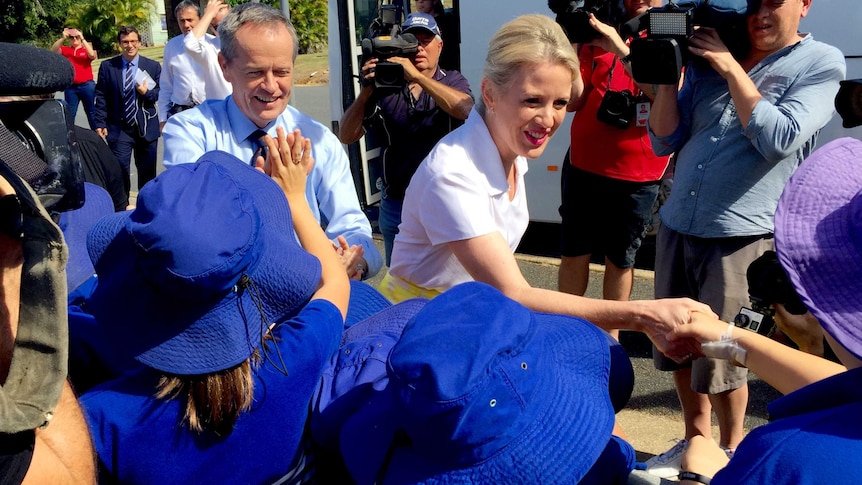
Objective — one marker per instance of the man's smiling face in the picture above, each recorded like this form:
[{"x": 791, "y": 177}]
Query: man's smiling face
[{"x": 262, "y": 71}]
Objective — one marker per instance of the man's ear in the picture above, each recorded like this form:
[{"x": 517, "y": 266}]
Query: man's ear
[
  {"x": 222, "y": 62},
  {"x": 806, "y": 5}
]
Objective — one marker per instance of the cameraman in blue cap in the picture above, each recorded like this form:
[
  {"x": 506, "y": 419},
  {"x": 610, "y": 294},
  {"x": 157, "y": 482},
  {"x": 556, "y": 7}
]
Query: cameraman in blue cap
[
  {"x": 409, "y": 119},
  {"x": 740, "y": 126}
]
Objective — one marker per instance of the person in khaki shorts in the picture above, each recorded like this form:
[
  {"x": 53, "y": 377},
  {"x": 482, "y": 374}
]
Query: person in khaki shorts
[{"x": 740, "y": 126}]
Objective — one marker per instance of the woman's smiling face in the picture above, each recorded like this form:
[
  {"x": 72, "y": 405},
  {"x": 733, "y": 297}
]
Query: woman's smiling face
[{"x": 523, "y": 116}]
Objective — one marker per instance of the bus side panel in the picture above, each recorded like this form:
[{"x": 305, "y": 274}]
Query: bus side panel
[{"x": 837, "y": 22}]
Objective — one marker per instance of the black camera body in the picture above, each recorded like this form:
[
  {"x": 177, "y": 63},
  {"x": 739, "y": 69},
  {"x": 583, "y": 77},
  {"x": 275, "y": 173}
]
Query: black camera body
[
  {"x": 44, "y": 128},
  {"x": 659, "y": 57},
  {"x": 768, "y": 284},
  {"x": 385, "y": 40},
  {"x": 848, "y": 103},
  {"x": 389, "y": 74},
  {"x": 617, "y": 108},
  {"x": 574, "y": 17}
]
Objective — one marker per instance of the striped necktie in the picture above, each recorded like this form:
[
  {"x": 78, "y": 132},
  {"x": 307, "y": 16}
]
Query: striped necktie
[{"x": 130, "y": 109}]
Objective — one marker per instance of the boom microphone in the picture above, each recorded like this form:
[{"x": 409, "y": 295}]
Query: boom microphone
[{"x": 30, "y": 70}]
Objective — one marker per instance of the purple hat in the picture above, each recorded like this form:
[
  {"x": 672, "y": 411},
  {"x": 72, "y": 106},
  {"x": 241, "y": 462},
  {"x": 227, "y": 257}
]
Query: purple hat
[
  {"x": 480, "y": 389},
  {"x": 75, "y": 224},
  {"x": 189, "y": 278},
  {"x": 818, "y": 238},
  {"x": 421, "y": 21}
]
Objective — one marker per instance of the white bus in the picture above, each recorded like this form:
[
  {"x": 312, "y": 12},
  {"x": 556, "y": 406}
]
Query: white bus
[{"x": 837, "y": 22}]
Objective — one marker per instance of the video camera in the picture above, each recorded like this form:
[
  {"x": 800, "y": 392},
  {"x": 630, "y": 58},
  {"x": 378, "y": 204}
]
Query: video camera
[
  {"x": 659, "y": 57},
  {"x": 848, "y": 103},
  {"x": 768, "y": 285},
  {"x": 385, "y": 40},
  {"x": 37, "y": 136},
  {"x": 574, "y": 17}
]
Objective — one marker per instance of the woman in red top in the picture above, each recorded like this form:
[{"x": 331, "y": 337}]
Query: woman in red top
[
  {"x": 83, "y": 88},
  {"x": 611, "y": 184}
]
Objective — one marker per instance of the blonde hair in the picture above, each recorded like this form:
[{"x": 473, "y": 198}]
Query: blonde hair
[{"x": 529, "y": 39}]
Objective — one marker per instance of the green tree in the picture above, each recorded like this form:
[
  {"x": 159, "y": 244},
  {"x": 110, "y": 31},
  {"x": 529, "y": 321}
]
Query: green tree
[
  {"x": 100, "y": 20},
  {"x": 309, "y": 17},
  {"x": 37, "y": 22}
]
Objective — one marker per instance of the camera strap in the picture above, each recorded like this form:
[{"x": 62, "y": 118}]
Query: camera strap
[
  {"x": 639, "y": 94},
  {"x": 19, "y": 158}
]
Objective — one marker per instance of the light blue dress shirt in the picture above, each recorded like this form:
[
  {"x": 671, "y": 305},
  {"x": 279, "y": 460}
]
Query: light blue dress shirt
[
  {"x": 220, "y": 125},
  {"x": 728, "y": 178}
]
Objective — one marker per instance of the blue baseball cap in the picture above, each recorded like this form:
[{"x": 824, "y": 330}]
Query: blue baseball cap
[{"x": 421, "y": 21}]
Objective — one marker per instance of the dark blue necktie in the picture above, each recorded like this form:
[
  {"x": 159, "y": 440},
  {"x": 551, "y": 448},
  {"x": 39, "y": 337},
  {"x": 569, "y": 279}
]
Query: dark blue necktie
[
  {"x": 258, "y": 144},
  {"x": 130, "y": 109}
]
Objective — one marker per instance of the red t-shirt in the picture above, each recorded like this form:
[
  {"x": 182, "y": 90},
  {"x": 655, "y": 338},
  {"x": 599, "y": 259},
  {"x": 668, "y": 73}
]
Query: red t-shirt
[
  {"x": 601, "y": 148},
  {"x": 80, "y": 61}
]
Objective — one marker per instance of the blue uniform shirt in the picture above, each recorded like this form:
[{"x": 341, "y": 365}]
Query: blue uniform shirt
[
  {"x": 139, "y": 439},
  {"x": 815, "y": 438}
]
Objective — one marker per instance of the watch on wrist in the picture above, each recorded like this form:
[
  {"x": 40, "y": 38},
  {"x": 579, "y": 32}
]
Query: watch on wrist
[{"x": 695, "y": 477}]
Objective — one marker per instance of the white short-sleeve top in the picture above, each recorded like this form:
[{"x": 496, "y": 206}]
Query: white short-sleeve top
[{"x": 458, "y": 192}]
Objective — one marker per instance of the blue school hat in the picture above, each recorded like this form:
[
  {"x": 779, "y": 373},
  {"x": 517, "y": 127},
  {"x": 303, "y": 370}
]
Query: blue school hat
[
  {"x": 480, "y": 389},
  {"x": 208, "y": 258},
  {"x": 75, "y": 225}
]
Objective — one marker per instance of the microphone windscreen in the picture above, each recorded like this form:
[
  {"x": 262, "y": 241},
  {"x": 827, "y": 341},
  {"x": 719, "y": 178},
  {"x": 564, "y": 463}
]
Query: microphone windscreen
[{"x": 30, "y": 70}]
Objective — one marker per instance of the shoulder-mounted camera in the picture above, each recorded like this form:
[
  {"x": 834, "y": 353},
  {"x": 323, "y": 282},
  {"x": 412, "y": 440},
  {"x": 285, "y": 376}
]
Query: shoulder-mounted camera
[
  {"x": 659, "y": 57},
  {"x": 574, "y": 17},
  {"x": 386, "y": 40}
]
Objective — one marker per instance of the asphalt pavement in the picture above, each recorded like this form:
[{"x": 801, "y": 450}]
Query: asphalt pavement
[{"x": 652, "y": 418}]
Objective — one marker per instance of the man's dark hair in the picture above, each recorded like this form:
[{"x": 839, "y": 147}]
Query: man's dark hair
[
  {"x": 187, "y": 4},
  {"x": 126, "y": 30}
]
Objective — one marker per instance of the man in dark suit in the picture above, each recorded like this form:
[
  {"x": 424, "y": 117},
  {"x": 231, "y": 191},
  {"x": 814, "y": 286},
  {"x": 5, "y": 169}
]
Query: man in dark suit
[{"x": 126, "y": 114}]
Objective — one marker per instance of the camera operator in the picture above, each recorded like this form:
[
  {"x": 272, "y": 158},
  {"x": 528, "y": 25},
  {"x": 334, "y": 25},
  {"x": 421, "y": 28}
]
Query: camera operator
[
  {"x": 43, "y": 436},
  {"x": 410, "y": 119},
  {"x": 740, "y": 127},
  {"x": 611, "y": 184}
]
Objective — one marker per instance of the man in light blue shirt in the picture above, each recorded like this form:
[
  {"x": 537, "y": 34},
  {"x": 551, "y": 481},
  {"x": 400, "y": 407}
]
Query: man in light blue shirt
[
  {"x": 258, "y": 50},
  {"x": 740, "y": 127}
]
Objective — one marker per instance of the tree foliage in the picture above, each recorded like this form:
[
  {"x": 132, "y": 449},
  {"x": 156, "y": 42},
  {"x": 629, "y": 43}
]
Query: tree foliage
[
  {"x": 309, "y": 19},
  {"x": 37, "y": 22},
  {"x": 40, "y": 22},
  {"x": 100, "y": 20}
]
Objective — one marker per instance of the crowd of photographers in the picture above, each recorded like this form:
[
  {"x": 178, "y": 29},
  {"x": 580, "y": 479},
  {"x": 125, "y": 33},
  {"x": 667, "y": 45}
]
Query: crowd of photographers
[{"x": 243, "y": 350}]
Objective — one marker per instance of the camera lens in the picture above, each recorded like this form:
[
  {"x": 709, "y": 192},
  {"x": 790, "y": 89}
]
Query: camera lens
[{"x": 741, "y": 320}]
